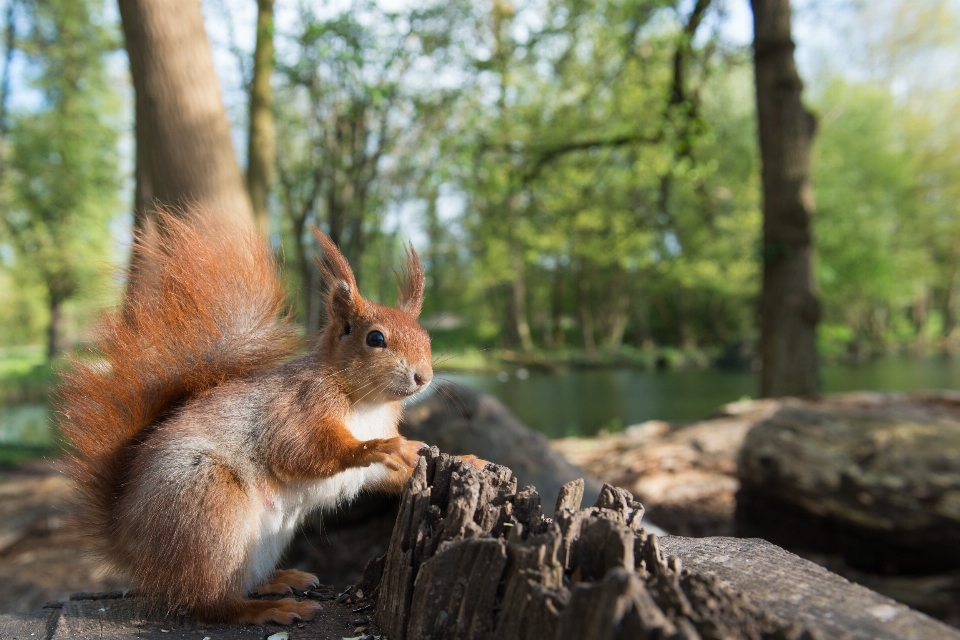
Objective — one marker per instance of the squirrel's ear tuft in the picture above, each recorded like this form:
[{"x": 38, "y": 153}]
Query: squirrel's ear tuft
[
  {"x": 343, "y": 298},
  {"x": 411, "y": 292}
]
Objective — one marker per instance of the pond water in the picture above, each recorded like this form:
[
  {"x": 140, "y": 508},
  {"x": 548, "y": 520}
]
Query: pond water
[
  {"x": 584, "y": 402},
  {"x": 26, "y": 425}
]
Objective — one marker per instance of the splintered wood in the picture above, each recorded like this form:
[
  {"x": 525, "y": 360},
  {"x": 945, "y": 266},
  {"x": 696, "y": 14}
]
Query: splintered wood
[{"x": 473, "y": 557}]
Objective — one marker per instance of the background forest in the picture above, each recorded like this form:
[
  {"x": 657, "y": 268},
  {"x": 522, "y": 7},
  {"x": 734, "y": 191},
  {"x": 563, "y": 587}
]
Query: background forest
[{"x": 581, "y": 176}]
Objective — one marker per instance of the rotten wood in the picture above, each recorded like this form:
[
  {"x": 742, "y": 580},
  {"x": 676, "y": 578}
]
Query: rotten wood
[{"x": 473, "y": 557}]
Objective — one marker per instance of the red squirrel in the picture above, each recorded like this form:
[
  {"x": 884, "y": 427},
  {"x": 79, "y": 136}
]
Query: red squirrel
[{"x": 198, "y": 447}]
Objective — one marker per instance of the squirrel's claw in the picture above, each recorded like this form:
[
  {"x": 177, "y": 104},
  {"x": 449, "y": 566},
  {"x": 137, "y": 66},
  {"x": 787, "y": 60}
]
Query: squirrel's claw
[{"x": 286, "y": 611}]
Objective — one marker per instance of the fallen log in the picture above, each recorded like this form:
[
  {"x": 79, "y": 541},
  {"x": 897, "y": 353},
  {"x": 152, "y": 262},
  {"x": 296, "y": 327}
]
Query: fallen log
[
  {"x": 473, "y": 557},
  {"x": 873, "y": 477}
]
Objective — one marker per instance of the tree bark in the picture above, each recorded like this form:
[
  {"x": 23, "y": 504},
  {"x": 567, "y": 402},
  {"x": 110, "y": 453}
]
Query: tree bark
[
  {"x": 144, "y": 217},
  {"x": 789, "y": 310},
  {"x": 518, "y": 304},
  {"x": 618, "y": 322},
  {"x": 559, "y": 339},
  {"x": 54, "y": 331},
  {"x": 183, "y": 137},
  {"x": 261, "y": 144},
  {"x": 586, "y": 316},
  {"x": 472, "y": 557}
]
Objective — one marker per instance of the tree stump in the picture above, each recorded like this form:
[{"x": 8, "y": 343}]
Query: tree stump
[
  {"x": 461, "y": 420},
  {"x": 472, "y": 557}
]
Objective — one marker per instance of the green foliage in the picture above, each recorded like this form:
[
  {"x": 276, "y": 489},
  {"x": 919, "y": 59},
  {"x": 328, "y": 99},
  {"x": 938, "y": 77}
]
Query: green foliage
[
  {"x": 63, "y": 177},
  {"x": 578, "y": 200},
  {"x": 886, "y": 182},
  {"x": 25, "y": 377},
  {"x": 866, "y": 189},
  {"x": 592, "y": 197},
  {"x": 354, "y": 120}
]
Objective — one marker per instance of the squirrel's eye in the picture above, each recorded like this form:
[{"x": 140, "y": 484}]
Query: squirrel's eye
[{"x": 376, "y": 339}]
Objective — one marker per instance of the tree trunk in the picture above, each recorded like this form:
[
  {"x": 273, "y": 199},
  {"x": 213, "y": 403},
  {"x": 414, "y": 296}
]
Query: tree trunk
[
  {"x": 518, "y": 307},
  {"x": 947, "y": 304},
  {"x": 789, "y": 310},
  {"x": 261, "y": 149},
  {"x": 54, "y": 331},
  {"x": 183, "y": 135},
  {"x": 144, "y": 218},
  {"x": 559, "y": 340},
  {"x": 618, "y": 323},
  {"x": 471, "y": 556},
  {"x": 586, "y": 317}
]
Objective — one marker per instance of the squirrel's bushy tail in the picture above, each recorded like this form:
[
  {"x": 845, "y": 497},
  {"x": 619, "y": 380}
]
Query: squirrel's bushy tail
[{"x": 213, "y": 309}]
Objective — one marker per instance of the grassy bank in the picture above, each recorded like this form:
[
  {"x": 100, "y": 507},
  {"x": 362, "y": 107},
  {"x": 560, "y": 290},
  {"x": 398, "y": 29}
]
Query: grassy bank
[{"x": 25, "y": 376}]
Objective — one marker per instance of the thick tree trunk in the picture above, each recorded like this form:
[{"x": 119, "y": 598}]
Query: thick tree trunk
[
  {"x": 261, "y": 149},
  {"x": 789, "y": 310},
  {"x": 183, "y": 135},
  {"x": 143, "y": 213},
  {"x": 144, "y": 217}
]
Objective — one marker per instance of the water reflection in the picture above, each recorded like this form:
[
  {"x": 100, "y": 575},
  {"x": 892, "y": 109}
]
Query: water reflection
[{"x": 583, "y": 402}]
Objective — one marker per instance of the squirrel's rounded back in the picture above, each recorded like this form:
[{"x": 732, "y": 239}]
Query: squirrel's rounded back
[{"x": 212, "y": 309}]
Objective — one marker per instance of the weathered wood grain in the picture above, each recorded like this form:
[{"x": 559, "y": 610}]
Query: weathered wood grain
[
  {"x": 792, "y": 589},
  {"x": 482, "y": 561}
]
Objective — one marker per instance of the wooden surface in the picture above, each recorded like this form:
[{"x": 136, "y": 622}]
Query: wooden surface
[
  {"x": 464, "y": 535},
  {"x": 793, "y": 589},
  {"x": 118, "y": 618},
  {"x": 459, "y": 420}
]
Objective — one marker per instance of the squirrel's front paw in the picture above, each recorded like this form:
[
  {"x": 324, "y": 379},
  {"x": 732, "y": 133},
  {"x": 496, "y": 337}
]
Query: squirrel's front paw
[
  {"x": 474, "y": 461},
  {"x": 395, "y": 453}
]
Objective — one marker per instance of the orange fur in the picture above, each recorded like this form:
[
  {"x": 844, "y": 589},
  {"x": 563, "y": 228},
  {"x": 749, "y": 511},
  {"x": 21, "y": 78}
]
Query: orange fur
[
  {"x": 194, "y": 445},
  {"x": 170, "y": 343}
]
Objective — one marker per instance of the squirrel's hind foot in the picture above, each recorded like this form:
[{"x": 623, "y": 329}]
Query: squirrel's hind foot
[
  {"x": 281, "y": 581},
  {"x": 286, "y": 611}
]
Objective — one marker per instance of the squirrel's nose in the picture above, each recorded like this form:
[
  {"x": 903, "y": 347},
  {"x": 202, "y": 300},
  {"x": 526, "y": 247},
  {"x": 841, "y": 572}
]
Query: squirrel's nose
[{"x": 421, "y": 378}]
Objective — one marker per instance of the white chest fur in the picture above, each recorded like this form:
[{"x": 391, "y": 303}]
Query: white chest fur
[
  {"x": 373, "y": 421},
  {"x": 284, "y": 511}
]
